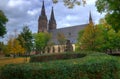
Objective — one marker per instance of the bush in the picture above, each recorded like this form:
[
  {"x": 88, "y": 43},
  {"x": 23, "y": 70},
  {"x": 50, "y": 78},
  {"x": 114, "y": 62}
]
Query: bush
[
  {"x": 49, "y": 57},
  {"x": 89, "y": 67}
]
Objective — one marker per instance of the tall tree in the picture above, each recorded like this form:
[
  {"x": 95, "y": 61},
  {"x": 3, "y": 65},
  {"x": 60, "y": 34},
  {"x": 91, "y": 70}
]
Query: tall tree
[
  {"x": 89, "y": 39},
  {"x": 26, "y": 39},
  {"x": 41, "y": 41},
  {"x": 3, "y": 20},
  {"x": 78, "y": 44},
  {"x": 112, "y": 8}
]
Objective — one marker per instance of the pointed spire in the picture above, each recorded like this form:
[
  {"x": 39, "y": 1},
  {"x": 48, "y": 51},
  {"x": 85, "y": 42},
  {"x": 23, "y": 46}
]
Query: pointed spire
[
  {"x": 52, "y": 15},
  {"x": 42, "y": 21},
  {"x": 90, "y": 17},
  {"x": 52, "y": 21},
  {"x": 43, "y": 9}
]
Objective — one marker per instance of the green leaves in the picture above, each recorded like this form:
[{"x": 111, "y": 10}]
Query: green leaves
[
  {"x": 3, "y": 21},
  {"x": 41, "y": 41},
  {"x": 112, "y": 8},
  {"x": 26, "y": 39}
]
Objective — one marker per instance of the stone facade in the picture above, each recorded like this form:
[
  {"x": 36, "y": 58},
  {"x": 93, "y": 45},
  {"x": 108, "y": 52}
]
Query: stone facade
[{"x": 70, "y": 33}]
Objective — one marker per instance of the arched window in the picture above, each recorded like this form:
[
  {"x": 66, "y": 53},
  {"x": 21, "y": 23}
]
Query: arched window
[
  {"x": 58, "y": 49},
  {"x": 53, "y": 49},
  {"x": 48, "y": 50}
]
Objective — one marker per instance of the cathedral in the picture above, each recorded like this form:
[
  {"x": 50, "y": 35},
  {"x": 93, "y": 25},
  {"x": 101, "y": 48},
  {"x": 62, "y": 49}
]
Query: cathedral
[{"x": 50, "y": 26}]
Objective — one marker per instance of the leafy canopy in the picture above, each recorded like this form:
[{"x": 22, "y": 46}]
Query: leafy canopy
[
  {"x": 26, "y": 39},
  {"x": 112, "y": 8},
  {"x": 3, "y": 20},
  {"x": 14, "y": 47},
  {"x": 41, "y": 41}
]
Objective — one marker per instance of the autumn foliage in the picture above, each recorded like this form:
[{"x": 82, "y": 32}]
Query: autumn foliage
[{"x": 14, "y": 47}]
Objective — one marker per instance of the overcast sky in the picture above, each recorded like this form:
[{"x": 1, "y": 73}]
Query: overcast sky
[{"x": 26, "y": 12}]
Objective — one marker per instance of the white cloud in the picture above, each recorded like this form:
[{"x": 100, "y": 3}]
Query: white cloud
[
  {"x": 33, "y": 12},
  {"x": 15, "y": 3}
]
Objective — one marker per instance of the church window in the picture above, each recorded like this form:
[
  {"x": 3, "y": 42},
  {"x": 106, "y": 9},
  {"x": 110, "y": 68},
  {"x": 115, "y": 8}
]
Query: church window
[
  {"x": 53, "y": 49},
  {"x": 58, "y": 49}
]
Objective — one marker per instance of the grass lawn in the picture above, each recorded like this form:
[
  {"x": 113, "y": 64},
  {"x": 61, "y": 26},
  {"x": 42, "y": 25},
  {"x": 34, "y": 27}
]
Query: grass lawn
[{"x": 4, "y": 61}]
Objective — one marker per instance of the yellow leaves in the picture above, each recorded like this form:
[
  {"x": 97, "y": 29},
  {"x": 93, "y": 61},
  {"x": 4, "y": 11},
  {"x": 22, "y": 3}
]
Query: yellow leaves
[
  {"x": 15, "y": 47},
  {"x": 89, "y": 37}
]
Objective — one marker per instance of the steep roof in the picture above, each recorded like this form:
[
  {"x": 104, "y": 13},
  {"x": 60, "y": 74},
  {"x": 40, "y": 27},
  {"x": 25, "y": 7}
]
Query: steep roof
[{"x": 71, "y": 33}]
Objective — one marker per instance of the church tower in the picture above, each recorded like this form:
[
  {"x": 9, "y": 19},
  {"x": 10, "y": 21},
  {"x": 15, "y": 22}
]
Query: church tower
[
  {"x": 42, "y": 21},
  {"x": 52, "y": 21},
  {"x": 90, "y": 18}
]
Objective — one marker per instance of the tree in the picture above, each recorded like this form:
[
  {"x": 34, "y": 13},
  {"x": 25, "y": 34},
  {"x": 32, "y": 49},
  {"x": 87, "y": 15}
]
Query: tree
[
  {"x": 61, "y": 39},
  {"x": 26, "y": 39},
  {"x": 14, "y": 47},
  {"x": 112, "y": 8},
  {"x": 41, "y": 41},
  {"x": 110, "y": 39},
  {"x": 3, "y": 20},
  {"x": 71, "y": 3},
  {"x": 1, "y": 47},
  {"x": 78, "y": 44},
  {"x": 89, "y": 39},
  {"x": 101, "y": 37}
]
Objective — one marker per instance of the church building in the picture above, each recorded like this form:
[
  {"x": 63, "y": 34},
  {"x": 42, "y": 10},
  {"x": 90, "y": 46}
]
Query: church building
[{"x": 50, "y": 26}]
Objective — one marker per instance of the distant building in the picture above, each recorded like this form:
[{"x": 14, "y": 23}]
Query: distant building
[{"x": 70, "y": 33}]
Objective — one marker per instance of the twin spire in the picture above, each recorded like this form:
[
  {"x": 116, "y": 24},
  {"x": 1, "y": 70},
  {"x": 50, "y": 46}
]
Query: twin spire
[{"x": 43, "y": 25}]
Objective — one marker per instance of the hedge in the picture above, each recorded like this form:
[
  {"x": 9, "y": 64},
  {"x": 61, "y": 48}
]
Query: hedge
[
  {"x": 97, "y": 67},
  {"x": 59, "y": 56}
]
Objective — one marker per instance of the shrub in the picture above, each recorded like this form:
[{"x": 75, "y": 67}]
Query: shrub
[
  {"x": 49, "y": 57},
  {"x": 89, "y": 67}
]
